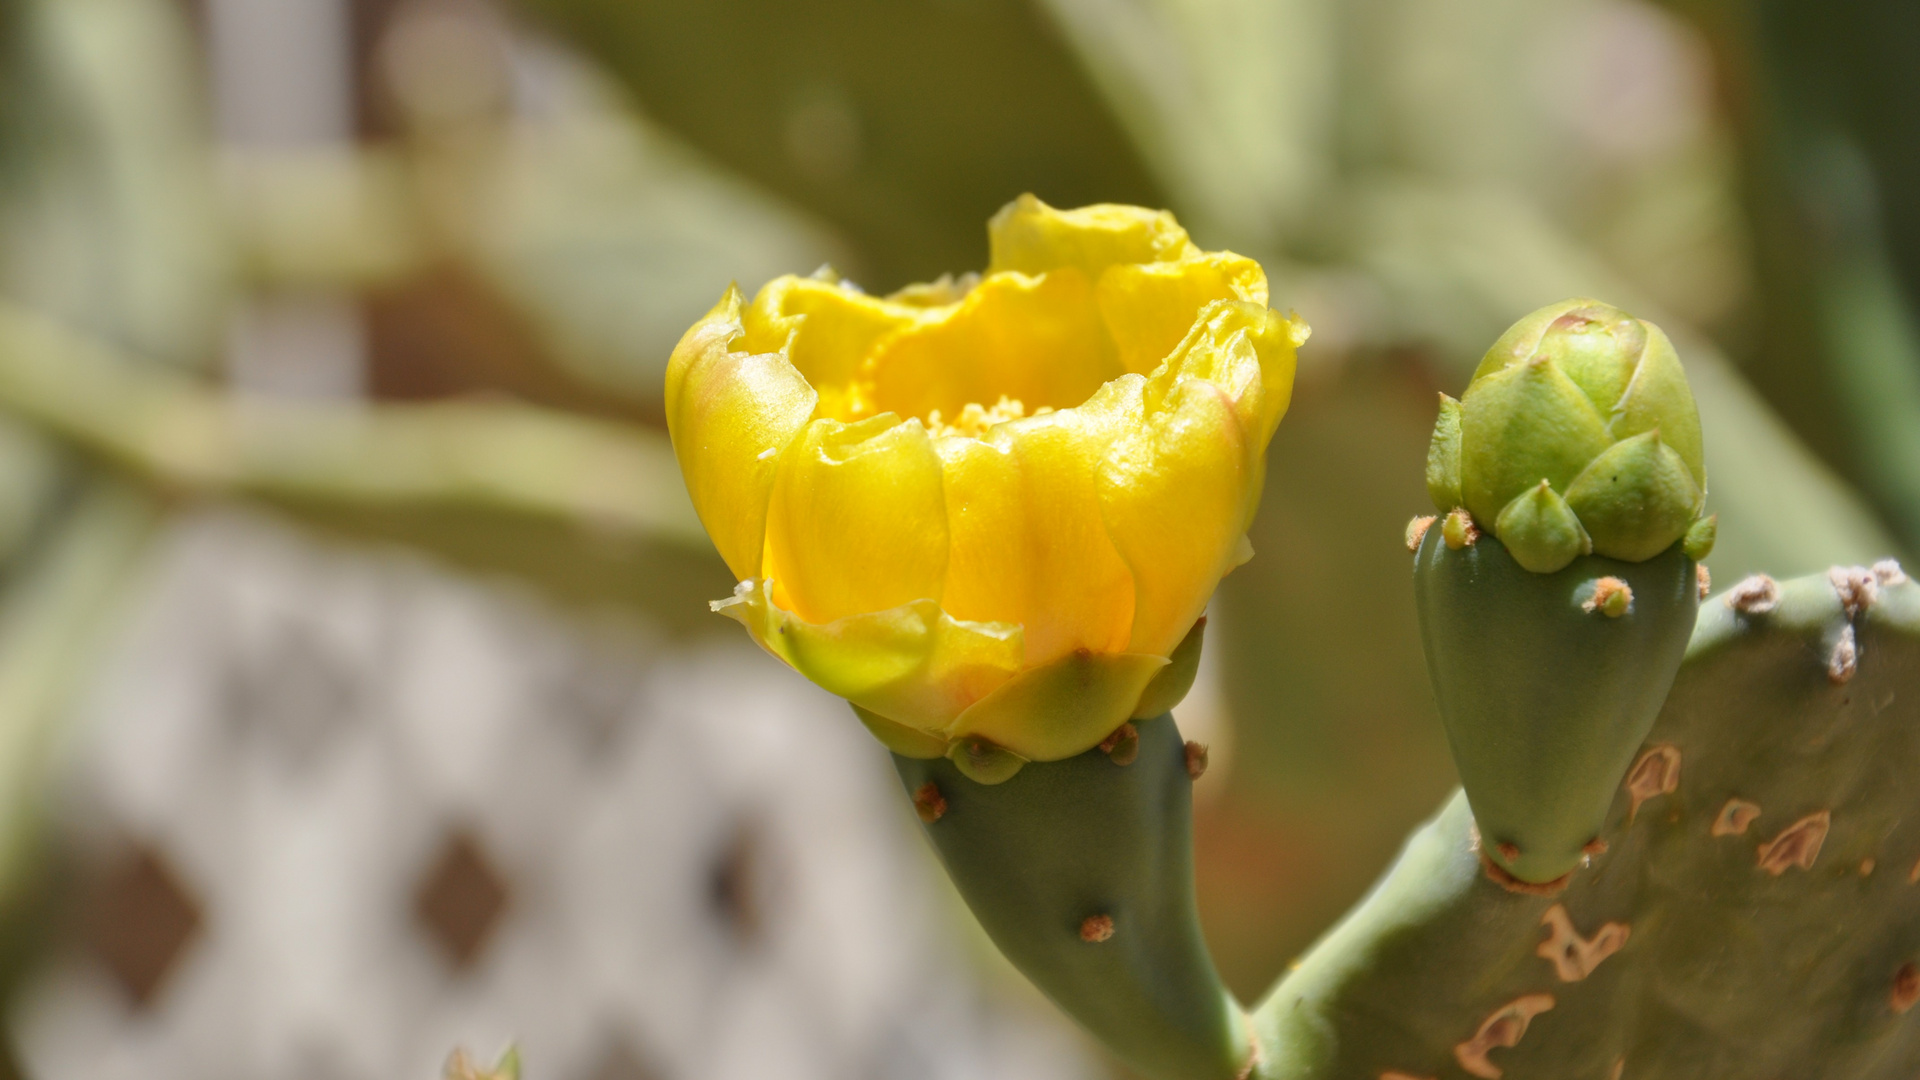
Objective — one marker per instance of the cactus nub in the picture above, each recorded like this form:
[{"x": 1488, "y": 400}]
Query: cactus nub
[
  {"x": 1458, "y": 530},
  {"x": 928, "y": 803},
  {"x": 1756, "y": 595},
  {"x": 1196, "y": 760},
  {"x": 1417, "y": 530},
  {"x": 1123, "y": 746},
  {"x": 1906, "y": 989},
  {"x": 1856, "y": 587},
  {"x": 1608, "y": 595}
]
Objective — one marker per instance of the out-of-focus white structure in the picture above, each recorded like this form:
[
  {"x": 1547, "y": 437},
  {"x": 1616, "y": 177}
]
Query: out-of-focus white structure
[{"x": 330, "y": 812}]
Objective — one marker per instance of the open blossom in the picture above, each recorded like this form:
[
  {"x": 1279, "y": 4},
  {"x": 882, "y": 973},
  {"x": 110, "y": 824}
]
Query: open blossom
[{"x": 989, "y": 509}]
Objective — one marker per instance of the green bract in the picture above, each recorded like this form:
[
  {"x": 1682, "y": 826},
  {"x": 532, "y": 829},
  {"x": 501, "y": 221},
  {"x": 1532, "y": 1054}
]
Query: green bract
[{"x": 1577, "y": 436}]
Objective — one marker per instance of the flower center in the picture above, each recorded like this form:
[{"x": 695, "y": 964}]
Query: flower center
[{"x": 974, "y": 419}]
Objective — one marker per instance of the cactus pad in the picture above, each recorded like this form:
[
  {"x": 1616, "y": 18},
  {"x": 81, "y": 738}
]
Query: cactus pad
[{"x": 1755, "y": 912}]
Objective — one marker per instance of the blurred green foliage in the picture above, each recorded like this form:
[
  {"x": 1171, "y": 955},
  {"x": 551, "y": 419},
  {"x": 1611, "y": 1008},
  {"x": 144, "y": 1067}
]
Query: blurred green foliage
[{"x": 905, "y": 125}]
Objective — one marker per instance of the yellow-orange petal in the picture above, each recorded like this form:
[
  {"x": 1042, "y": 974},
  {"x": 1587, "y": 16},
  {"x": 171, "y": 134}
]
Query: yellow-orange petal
[
  {"x": 1173, "y": 492},
  {"x": 1063, "y": 708},
  {"x": 858, "y": 520},
  {"x": 1148, "y": 308},
  {"x": 1037, "y": 340},
  {"x": 1248, "y": 351},
  {"x": 914, "y": 665},
  {"x": 1029, "y": 545},
  {"x": 730, "y": 415},
  {"x": 1031, "y": 237},
  {"x": 827, "y": 331}
]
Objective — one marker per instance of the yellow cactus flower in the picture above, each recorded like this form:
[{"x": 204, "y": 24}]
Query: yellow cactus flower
[{"x": 990, "y": 510}]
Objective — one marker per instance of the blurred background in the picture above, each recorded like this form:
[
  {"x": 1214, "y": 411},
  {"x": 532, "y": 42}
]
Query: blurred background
[{"x": 358, "y": 695}]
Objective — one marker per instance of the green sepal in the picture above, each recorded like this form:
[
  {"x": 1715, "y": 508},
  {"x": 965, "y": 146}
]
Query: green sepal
[
  {"x": 1660, "y": 400},
  {"x": 1072, "y": 840},
  {"x": 1443, "y": 457},
  {"x": 1171, "y": 683},
  {"x": 1544, "y": 703},
  {"x": 983, "y": 761},
  {"x": 1520, "y": 425},
  {"x": 900, "y": 738},
  {"x": 1540, "y": 531},
  {"x": 1061, "y": 708},
  {"x": 1522, "y": 340},
  {"x": 1636, "y": 499},
  {"x": 1599, "y": 347},
  {"x": 1700, "y": 537}
]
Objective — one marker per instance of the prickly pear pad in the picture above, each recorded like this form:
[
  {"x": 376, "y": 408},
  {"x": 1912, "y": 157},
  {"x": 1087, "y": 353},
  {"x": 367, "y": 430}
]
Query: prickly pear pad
[
  {"x": 1756, "y": 913},
  {"x": 1547, "y": 684},
  {"x": 1081, "y": 871}
]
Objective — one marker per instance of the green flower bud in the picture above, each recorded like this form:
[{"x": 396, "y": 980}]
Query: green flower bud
[{"x": 1578, "y": 435}]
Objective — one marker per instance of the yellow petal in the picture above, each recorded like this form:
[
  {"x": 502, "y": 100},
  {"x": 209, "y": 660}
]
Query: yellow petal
[
  {"x": 1248, "y": 351},
  {"x": 987, "y": 570},
  {"x": 1174, "y": 492},
  {"x": 1037, "y": 340},
  {"x": 1063, "y": 708},
  {"x": 730, "y": 415},
  {"x": 1031, "y": 237},
  {"x": 827, "y": 332},
  {"x": 914, "y": 664},
  {"x": 1149, "y": 307},
  {"x": 857, "y": 522},
  {"x": 1029, "y": 544}
]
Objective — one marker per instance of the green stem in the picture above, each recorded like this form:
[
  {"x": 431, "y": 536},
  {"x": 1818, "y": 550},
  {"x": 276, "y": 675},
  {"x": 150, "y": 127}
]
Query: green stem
[{"x": 1081, "y": 871}]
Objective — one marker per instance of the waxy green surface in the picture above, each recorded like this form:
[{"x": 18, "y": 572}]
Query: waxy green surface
[
  {"x": 1546, "y": 702},
  {"x": 1060, "y": 842},
  {"x": 1744, "y": 951}
]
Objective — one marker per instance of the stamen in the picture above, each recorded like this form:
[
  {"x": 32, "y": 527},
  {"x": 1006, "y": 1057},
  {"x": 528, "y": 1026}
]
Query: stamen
[{"x": 975, "y": 420}]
